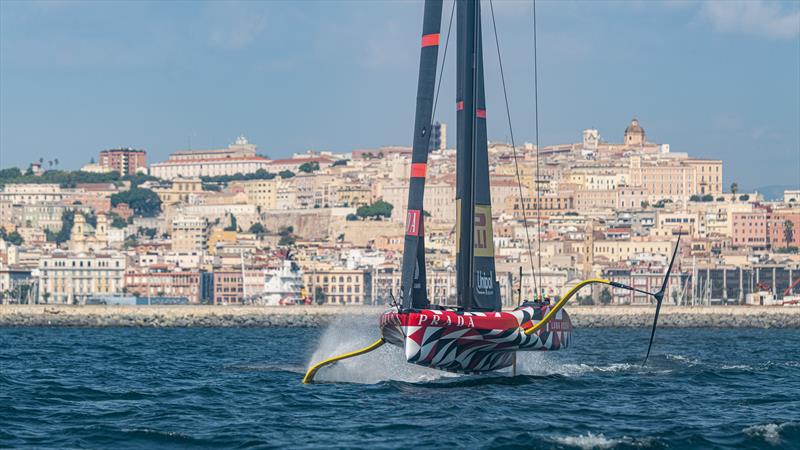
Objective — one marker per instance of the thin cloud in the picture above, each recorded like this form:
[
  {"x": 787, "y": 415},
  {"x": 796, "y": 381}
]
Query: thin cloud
[{"x": 754, "y": 17}]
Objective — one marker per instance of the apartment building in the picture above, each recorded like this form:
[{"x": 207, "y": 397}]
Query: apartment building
[
  {"x": 125, "y": 161},
  {"x": 189, "y": 233}
]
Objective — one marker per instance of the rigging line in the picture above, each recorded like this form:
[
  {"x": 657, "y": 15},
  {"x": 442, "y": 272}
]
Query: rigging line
[
  {"x": 514, "y": 149},
  {"x": 536, "y": 181}
]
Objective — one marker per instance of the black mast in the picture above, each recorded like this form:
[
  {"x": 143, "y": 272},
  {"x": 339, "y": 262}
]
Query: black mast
[
  {"x": 476, "y": 283},
  {"x": 412, "y": 285}
]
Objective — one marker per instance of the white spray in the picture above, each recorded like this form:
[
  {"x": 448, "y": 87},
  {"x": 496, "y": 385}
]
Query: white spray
[{"x": 347, "y": 334}]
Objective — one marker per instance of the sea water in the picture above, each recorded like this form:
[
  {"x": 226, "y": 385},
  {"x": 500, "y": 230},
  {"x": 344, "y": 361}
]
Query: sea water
[{"x": 240, "y": 388}]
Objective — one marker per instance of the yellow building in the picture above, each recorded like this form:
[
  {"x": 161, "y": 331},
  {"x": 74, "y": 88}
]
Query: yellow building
[
  {"x": 550, "y": 203},
  {"x": 220, "y": 236},
  {"x": 189, "y": 233},
  {"x": 624, "y": 250},
  {"x": 181, "y": 190},
  {"x": 340, "y": 286},
  {"x": 676, "y": 179},
  {"x": 262, "y": 193}
]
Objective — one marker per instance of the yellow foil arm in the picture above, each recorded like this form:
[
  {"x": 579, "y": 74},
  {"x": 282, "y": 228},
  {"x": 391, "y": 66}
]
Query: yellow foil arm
[
  {"x": 560, "y": 304},
  {"x": 309, "y": 378}
]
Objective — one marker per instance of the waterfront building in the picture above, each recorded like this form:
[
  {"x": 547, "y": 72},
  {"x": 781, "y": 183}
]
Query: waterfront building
[
  {"x": 240, "y": 157},
  {"x": 72, "y": 277},
  {"x": 340, "y": 286},
  {"x": 227, "y": 287},
  {"x": 163, "y": 280},
  {"x": 125, "y": 161}
]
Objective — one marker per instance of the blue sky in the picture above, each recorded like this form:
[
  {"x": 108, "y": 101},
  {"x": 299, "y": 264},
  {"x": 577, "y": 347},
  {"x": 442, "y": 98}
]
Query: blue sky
[{"x": 715, "y": 79}]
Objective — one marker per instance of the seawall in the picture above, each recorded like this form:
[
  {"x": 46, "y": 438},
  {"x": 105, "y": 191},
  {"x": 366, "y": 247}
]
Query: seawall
[{"x": 315, "y": 316}]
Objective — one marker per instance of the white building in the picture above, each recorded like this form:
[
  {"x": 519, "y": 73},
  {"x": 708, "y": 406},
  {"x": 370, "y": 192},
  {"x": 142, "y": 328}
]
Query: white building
[
  {"x": 31, "y": 194},
  {"x": 73, "y": 277},
  {"x": 239, "y": 157}
]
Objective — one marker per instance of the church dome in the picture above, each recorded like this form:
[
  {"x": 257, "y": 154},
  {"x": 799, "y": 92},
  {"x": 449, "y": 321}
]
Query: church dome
[
  {"x": 634, "y": 127},
  {"x": 634, "y": 134}
]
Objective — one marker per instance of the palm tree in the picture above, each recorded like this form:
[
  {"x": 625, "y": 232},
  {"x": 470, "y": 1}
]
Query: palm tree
[
  {"x": 50, "y": 163},
  {"x": 41, "y": 160},
  {"x": 734, "y": 189},
  {"x": 56, "y": 161}
]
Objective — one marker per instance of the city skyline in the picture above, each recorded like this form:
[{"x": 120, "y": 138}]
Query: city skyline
[{"x": 250, "y": 71}]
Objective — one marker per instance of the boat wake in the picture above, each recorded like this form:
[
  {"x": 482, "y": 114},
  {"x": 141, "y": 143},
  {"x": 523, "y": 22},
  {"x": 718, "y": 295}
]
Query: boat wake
[
  {"x": 597, "y": 441},
  {"x": 546, "y": 364},
  {"x": 775, "y": 434}
]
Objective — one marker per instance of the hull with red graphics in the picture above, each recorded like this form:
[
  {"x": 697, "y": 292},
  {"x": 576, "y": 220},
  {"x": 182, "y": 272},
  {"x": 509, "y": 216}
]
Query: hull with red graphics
[{"x": 472, "y": 342}]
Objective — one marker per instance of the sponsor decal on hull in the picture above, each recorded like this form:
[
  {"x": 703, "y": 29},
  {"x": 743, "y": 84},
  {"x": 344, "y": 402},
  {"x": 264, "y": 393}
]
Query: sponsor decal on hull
[{"x": 471, "y": 341}]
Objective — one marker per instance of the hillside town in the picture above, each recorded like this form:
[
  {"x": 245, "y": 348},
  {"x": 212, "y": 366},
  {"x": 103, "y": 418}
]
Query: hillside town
[{"x": 233, "y": 226}]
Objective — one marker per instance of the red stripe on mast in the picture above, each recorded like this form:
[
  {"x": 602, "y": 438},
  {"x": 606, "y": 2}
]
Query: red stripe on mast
[
  {"x": 418, "y": 170},
  {"x": 429, "y": 40},
  {"x": 459, "y": 105},
  {"x": 480, "y": 113}
]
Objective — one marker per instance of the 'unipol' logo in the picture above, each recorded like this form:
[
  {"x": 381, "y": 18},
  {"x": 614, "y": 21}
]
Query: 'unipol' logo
[{"x": 484, "y": 282}]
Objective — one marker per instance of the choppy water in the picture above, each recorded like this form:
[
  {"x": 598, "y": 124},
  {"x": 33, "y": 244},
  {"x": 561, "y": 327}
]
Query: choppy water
[{"x": 240, "y": 388}]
